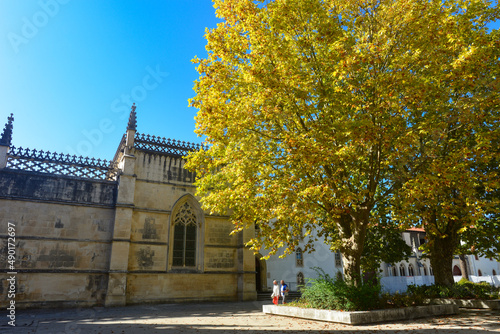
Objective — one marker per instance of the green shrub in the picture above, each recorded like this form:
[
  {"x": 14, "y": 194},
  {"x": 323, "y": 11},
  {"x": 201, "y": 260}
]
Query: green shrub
[
  {"x": 403, "y": 299},
  {"x": 463, "y": 281},
  {"x": 462, "y": 290},
  {"x": 325, "y": 292},
  {"x": 400, "y": 299}
]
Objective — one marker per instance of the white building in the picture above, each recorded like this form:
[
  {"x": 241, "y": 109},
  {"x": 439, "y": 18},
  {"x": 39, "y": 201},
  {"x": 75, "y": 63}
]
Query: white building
[
  {"x": 294, "y": 269},
  {"x": 418, "y": 270}
]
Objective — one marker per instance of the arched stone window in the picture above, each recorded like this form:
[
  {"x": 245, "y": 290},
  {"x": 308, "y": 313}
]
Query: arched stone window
[
  {"x": 479, "y": 272},
  {"x": 185, "y": 235},
  {"x": 402, "y": 270},
  {"x": 425, "y": 270},
  {"x": 494, "y": 272},
  {"x": 410, "y": 270},
  {"x": 184, "y": 248},
  {"x": 338, "y": 259},
  {"x": 431, "y": 272},
  {"x": 299, "y": 260},
  {"x": 300, "y": 279},
  {"x": 394, "y": 271},
  {"x": 456, "y": 271}
]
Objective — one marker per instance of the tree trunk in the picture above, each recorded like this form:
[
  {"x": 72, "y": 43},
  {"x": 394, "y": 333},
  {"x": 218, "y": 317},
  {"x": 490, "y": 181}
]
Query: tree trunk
[
  {"x": 441, "y": 257},
  {"x": 353, "y": 234},
  {"x": 352, "y": 267},
  {"x": 463, "y": 266}
]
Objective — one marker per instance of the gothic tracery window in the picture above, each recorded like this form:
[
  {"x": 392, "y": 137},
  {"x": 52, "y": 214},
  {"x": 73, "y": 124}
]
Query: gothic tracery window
[
  {"x": 411, "y": 272},
  {"x": 300, "y": 279},
  {"x": 184, "y": 246},
  {"x": 402, "y": 270},
  {"x": 299, "y": 260},
  {"x": 338, "y": 259}
]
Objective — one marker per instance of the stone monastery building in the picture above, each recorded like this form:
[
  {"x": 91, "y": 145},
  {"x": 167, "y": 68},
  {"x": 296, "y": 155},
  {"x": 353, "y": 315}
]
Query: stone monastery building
[{"x": 91, "y": 232}]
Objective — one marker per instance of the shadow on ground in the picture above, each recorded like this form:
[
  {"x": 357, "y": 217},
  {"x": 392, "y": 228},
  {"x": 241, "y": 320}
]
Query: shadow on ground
[{"x": 227, "y": 318}]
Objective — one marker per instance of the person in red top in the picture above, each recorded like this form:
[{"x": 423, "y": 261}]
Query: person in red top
[{"x": 276, "y": 292}]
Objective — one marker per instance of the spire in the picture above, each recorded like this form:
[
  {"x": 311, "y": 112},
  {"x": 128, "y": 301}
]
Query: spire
[
  {"x": 132, "y": 120},
  {"x": 6, "y": 138}
]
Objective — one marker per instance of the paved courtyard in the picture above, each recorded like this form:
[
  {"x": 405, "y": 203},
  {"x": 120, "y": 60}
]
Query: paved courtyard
[{"x": 225, "y": 318}]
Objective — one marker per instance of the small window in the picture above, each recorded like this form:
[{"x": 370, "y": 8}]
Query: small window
[
  {"x": 338, "y": 259},
  {"x": 457, "y": 271},
  {"x": 394, "y": 271},
  {"x": 431, "y": 272},
  {"x": 300, "y": 279},
  {"x": 410, "y": 270},
  {"x": 479, "y": 273},
  {"x": 476, "y": 257},
  {"x": 425, "y": 270},
  {"x": 494, "y": 272},
  {"x": 299, "y": 261},
  {"x": 402, "y": 270}
]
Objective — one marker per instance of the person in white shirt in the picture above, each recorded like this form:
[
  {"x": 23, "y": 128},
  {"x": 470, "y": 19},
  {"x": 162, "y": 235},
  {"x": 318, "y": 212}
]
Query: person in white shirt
[{"x": 276, "y": 290}]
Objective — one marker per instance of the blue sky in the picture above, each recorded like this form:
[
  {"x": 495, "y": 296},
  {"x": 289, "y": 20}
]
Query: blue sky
[{"x": 71, "y": 69}]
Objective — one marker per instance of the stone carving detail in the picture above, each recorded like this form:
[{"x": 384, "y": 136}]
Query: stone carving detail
[
  {"x": 145, "y": 257},
  {"x": 149, "y": 230},
  {"x": 61, "y": 164},
  {"x": 221, "y": 260}
]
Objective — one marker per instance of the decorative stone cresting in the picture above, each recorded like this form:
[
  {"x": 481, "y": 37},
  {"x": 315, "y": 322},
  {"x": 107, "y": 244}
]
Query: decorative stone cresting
[
  {"x": 166, "y": 146},
  {"x": 61, "y": 164}
]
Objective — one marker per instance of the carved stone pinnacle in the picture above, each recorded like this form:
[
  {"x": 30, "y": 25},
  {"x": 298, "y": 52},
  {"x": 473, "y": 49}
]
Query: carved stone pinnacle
[
  {"x": 6, "y": 138},
  {"x": 132, "y": 120}
]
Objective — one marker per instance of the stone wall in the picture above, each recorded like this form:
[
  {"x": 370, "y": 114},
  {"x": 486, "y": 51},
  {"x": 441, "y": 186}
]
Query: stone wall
[
  {"x": 161, "y": 185},
  {"x": 187, "y": 287},
  {"x": 63, "y": 230},
  {"x": 83, "y": 242},
  {"x": 31, "y": 186},
  {"x": 157, "y": 167}
]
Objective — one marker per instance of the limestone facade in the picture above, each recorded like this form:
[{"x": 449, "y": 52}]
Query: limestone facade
[{"x": 129, "y": 231}]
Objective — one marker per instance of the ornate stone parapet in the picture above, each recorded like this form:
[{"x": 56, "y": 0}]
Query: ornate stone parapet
[
  {"x": 60, "y": 164},
  {"x": 167, "y": 146}
]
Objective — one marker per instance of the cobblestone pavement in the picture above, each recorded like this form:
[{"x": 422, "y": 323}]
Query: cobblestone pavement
[{"x": 225, "y": 318}]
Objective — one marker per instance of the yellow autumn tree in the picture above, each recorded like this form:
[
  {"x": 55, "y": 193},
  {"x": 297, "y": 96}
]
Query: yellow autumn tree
[{"x": 313, "y": 109}]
